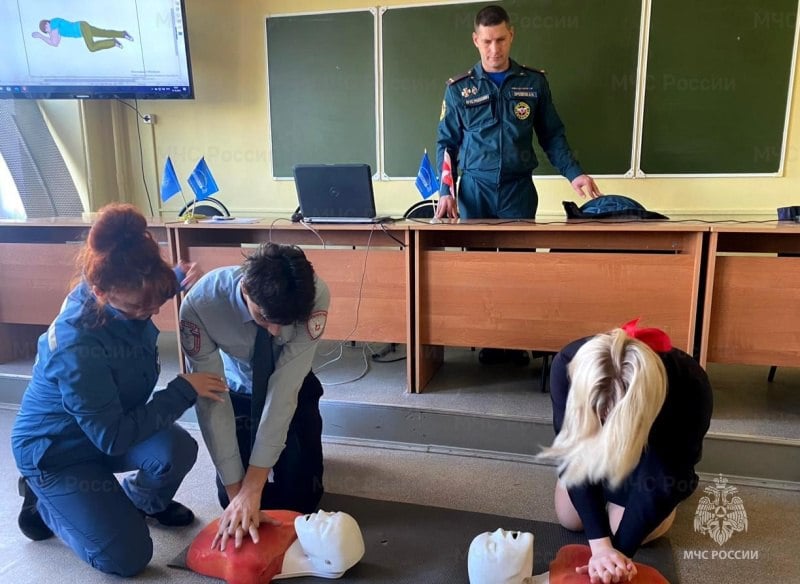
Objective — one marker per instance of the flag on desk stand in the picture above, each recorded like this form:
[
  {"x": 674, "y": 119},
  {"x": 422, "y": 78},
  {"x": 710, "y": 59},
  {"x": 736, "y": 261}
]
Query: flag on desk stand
[
  {"x": 203, "y": 185},
  {"x": 170, "y": 185},
  {"x": 202, "y": 181},
  {"x": 426, "y": 182},
  {"x": 447, "y": 173}
]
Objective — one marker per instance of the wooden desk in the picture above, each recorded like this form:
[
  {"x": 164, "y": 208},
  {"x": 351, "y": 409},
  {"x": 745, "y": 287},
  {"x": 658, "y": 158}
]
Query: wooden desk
[
  {"x": 751, "y": 314},
  {"x": 37, "y": 263},
  {"x": 481, "y": 284},
  {"x": 487, "y": 284},
  {"x": 366, "y": 267}
]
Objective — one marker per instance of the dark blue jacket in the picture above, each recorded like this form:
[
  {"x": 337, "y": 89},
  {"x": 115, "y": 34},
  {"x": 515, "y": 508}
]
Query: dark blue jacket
[
  {"x": 488, "y": 130},
  {"x": 88, "y": 396}
]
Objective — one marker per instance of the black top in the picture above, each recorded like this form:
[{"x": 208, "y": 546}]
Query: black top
[{"x": 665, "y": 474}]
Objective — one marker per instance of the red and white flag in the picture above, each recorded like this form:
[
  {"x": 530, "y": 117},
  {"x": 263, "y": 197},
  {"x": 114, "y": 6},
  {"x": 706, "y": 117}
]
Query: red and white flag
[{"x": 447, "y": 173}]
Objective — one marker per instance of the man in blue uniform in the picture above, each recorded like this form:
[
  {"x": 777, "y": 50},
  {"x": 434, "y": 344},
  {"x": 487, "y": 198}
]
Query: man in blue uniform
[
  {"x": 259, "y": 326},
  {"x": 489, "y": 115}
]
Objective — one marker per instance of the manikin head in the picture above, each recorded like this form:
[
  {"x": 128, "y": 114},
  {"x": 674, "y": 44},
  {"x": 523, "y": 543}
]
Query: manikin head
[
  {"x": 501, "y": 557},
  {"x": 328, "y": 544}
]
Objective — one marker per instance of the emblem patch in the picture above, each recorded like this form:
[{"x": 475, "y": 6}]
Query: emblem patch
[
  {"x": 522, "y": 110},
  {"x": 190, "y": 337},
  {"x": 722, "y": 514},
  {"x": 316, "y": 324}
]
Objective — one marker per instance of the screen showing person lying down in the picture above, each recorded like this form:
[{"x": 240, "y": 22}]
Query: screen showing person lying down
[{"x": 94, "y": 49}]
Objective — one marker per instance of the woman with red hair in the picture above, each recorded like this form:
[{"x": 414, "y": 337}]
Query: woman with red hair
[{"x": 88, "y": 411}]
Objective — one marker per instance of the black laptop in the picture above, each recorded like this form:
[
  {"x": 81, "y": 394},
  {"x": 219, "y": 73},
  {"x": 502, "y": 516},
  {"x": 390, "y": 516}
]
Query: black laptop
[{"x": 336, "y": 193}]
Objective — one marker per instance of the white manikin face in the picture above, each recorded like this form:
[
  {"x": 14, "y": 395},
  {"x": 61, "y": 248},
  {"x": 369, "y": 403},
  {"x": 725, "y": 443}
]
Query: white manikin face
[
  {"x": 500, "y": 557},
  {"x": 328, "y": 544}
]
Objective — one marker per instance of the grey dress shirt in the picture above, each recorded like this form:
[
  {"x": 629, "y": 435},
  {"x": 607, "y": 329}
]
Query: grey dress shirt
[{"x": 218, "y": 336}]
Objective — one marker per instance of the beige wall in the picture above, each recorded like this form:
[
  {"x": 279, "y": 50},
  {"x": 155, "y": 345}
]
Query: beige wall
[
  {"x": 228, "y": 123},
  {"x": 63, "y": 117}
]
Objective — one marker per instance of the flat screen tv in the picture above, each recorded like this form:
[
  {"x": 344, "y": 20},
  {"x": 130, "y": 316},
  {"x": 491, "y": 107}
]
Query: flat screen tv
[{"x": 100, "y": 49}]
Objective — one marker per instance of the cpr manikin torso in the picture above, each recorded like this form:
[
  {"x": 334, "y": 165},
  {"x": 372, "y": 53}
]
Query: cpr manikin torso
[
  {"x": 327, "y": 545},
  {"x": 501, "y": 557},
  {"x": 321, "y": 544}
]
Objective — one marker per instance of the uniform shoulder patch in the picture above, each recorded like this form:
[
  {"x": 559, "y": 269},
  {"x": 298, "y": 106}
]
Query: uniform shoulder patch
[
  {"x": 458, "y": 78},
  {"x": 534, "y": 69},
  {"x": 316, "y": 324},
  {"x": 191, "y": 339}
]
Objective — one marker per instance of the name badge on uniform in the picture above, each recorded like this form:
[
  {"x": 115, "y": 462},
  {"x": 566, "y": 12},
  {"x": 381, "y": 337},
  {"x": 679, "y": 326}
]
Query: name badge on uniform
[
  {"x": 477, "y": 100},
  {"x": 522, "y": 92}
]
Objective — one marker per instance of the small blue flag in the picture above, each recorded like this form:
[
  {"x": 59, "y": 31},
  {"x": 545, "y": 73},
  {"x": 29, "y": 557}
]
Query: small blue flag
[
  {"x": 202, "y": 181},
  {"x": 169, "y": 182},
  {"x": 426, "y": 182}
]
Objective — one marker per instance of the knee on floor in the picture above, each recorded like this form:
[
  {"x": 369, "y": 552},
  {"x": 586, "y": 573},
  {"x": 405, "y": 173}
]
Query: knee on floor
[{"x": 126, "y": 559}]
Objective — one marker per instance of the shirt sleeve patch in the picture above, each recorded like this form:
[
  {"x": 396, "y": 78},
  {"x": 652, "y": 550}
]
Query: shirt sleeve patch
[
  {"x": 316, "y": 324},
  {"x": 52, "y": 340},
  {"x": 190, "y": 337}
]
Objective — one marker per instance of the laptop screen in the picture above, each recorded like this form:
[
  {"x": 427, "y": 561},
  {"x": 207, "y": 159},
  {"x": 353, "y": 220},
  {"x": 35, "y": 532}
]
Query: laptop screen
[{"x": 336, "y": 192}]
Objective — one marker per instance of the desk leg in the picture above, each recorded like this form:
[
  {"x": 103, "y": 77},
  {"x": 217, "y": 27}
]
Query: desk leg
[
  {"x": 18, "y": 341},
  {"x": 429, "y": 359}
]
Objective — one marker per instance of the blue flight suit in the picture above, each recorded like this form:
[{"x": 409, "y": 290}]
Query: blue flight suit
[
  {"x": 488, "y": 131},
  {"x": 84, "y": 416}
]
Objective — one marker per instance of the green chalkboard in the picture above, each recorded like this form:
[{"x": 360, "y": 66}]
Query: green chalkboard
[
  {"x": 589, "y": 50},
  {"x": 717, "y": 85},
  {"x": 322, "y": 89}
]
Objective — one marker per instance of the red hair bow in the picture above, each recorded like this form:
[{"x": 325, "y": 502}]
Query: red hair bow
[{"x": 654, "y": 338}]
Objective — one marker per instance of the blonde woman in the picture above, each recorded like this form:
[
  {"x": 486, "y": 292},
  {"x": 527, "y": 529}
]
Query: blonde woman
[{"x": 630, "y": 413}]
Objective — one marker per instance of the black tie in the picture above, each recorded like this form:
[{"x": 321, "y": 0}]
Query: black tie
[{"x": 263, "y": 366}]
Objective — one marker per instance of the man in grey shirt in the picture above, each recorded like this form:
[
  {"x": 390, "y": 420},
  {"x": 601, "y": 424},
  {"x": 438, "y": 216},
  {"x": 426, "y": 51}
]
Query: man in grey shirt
[{"x": 258, "y": 326}]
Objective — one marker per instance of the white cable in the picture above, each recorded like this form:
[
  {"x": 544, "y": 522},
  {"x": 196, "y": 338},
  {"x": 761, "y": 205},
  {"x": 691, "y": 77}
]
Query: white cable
[{"x": 359, "y": 376}]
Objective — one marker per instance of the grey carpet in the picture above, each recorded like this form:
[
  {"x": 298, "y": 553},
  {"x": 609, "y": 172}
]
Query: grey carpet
[{"x": 418, "y": 544}]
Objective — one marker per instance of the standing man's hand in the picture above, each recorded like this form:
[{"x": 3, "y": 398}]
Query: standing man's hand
[
  {"x": 585, "y": 186},
  {"x": 447, "y": 208}
]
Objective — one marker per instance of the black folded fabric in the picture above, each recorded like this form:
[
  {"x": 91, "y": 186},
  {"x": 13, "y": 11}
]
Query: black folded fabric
[{"x": 610, "y": 207}]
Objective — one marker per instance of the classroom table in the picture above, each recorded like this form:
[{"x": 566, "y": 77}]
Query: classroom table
[
  {"x": 725, "y": 292},
  {"x": 37, "y": 263},
  {"x": 525, "y": 285},
  {"x": 482, "y": 284},
  {"x": 752, "y": 290}
]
